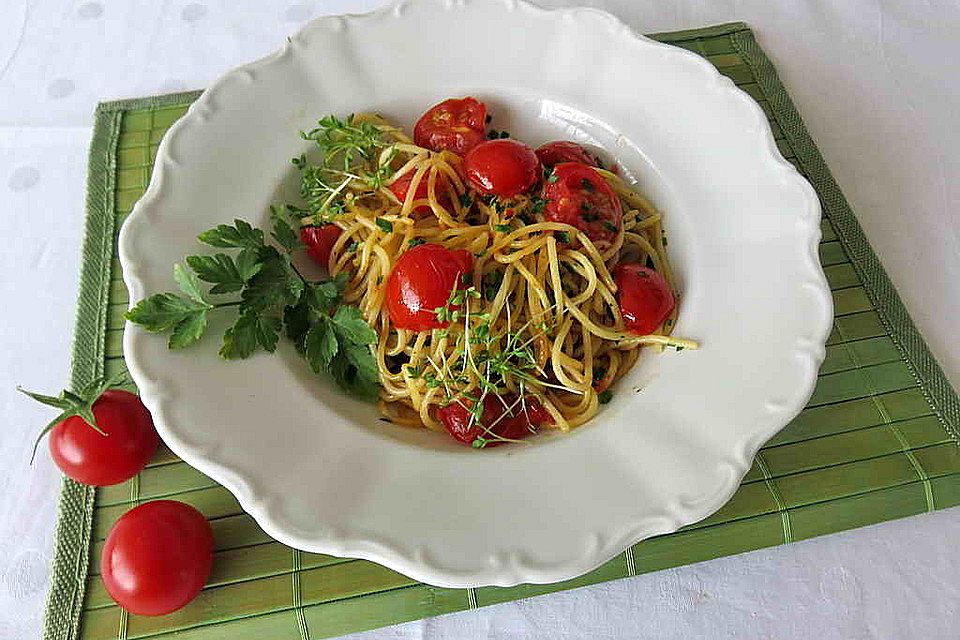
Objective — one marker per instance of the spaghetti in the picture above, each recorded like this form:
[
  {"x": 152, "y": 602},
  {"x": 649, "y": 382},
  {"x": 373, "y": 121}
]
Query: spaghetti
[{"x": 534, "y": 323}]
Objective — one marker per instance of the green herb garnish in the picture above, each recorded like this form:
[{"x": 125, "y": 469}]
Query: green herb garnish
[
  {"x": 385, "y": 225},
  {"x": 273, "y": 298},
  {"x": 605, "y": 396}
]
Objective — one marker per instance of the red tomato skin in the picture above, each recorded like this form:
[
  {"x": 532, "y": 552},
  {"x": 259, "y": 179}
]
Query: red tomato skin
[
  {"x": 420, "y": 281},
  {"x": 553, "y": 153},
  {"x": 401, "y": 186},
  {"x": 98, "y": 460},
  {"x": 516, "y": 426},
  {"x": 157, "y": 557},
  {"x": 319, "y": 242},
  {"x": 644, "y": 296},
  {"x": 502, "y": 168},
  {"x": 456, "y": 124},
  {"x": 596, "y": 211}
]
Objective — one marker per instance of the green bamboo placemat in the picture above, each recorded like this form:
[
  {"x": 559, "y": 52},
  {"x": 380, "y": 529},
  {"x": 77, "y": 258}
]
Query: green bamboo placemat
[{"x": 877, "y": 441}]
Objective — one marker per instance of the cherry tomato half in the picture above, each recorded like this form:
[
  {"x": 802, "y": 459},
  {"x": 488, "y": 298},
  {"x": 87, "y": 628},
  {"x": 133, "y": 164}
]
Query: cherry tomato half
[
  {"x": 502, "y": 168},
  {"x": 99, "y": 460},
  {"x": 157, "y": 557},
  {"x": 456, "y": 124},
  {"x": 421, "y": 281},
  {"x": 401, "y": 186},
  {"x": 645, "y": 297},
  {"x": 514, "y": 424},
  {"x": 319, "y": 242},
  {"x": 579, "y": 196},
  {"x": 553, "y": 153}
]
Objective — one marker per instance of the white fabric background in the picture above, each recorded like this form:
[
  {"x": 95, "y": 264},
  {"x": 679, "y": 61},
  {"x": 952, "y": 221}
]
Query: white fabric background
[{"x": 876, "y": 81}]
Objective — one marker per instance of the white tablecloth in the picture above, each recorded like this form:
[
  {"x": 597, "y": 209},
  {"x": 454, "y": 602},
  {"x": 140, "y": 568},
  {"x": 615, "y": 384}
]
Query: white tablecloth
[{"x": 877, "y": 83}]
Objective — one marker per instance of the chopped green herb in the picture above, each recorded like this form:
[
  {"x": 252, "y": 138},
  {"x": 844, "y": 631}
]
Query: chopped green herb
[
  {"x": 588, "y": 185},
  {"x": 413, "y": 242},
  {"x": 466, "y": 200},
  {"x": 493, "y": 134},
  {"x": 605, "y": 396},
  {"x": 503, "y": 228},
  {"x": 562, "y": 236},
  {"x": 385, "y": 225},
  {"x": 537, "y": 205},
  {"x": 609, "y": 226}
]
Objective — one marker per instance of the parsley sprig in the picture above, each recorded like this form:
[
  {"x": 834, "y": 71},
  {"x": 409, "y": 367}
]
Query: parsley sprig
[{"x": 272, "y": 297}]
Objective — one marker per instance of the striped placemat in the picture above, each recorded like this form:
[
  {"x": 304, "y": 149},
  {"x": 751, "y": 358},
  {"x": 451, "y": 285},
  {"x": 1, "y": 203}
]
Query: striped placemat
[{"x": 877, "y": 441}]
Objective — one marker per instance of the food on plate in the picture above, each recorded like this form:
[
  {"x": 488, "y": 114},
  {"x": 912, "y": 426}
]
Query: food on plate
[
  {"x": 157, "y": 557},
  {"x": 103, "y": 435},
  {"x": 478, "y": 287}
]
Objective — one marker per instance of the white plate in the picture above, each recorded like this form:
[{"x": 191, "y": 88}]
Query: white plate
[{"x": 320, "y": 472}]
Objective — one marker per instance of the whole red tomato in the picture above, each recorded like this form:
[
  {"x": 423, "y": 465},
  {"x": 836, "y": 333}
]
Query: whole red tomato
[
  {"x": 319, "y": 242},
  {"x": 456, "y": 124},
  {"x": 579, "y": 196},
  {"x": 421, "y": 281},
  {"x": 96, "y": 459},
  {"x": 503, "y": 168},
  {"x": 553, "y": 153},
  {"x": 502, "y": 417},
  {"x": 157, "y": 557},
  {"x": 644, "y": 296}
]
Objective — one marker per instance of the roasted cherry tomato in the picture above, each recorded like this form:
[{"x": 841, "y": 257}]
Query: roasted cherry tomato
[
  {"x": 579, "y": 196},
  {"x": 421, "y": 281},
  {"x": 514, "y": 424},
  {"x": 502, "y": 168},
  {"x": 319, "y": 242},
  {"x": 96, "y": 459},
  {"x": 456, "y": 124},
  {"x": 645, "y": 297},
  {"x": 157, "y": 557},
  {"x": 401, "y": 186},
  {"x": 553, "y": 153}
]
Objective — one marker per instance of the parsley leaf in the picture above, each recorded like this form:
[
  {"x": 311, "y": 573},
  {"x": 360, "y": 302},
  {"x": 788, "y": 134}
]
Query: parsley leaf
[
  {"x": 385, "y": 225},
  {"x": 562, "y": 236},
  {"x": 320, "y": 346},
  {"x": 163, "y": 311},
  {"x": 240, "y": 235},
  {"x": 351, "y": 326},
  {"x": 274, "y": 286},
  {"x": 188, "y": 330},
  {"x": 188, "y": 283},
  {"x": 187, "y": 317},
  {"x": 503, "y": 228},
  {"x": 249, "y": 332},
  {"x": 225, "y": 274},
  {"x": 605, "y": 396}
]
